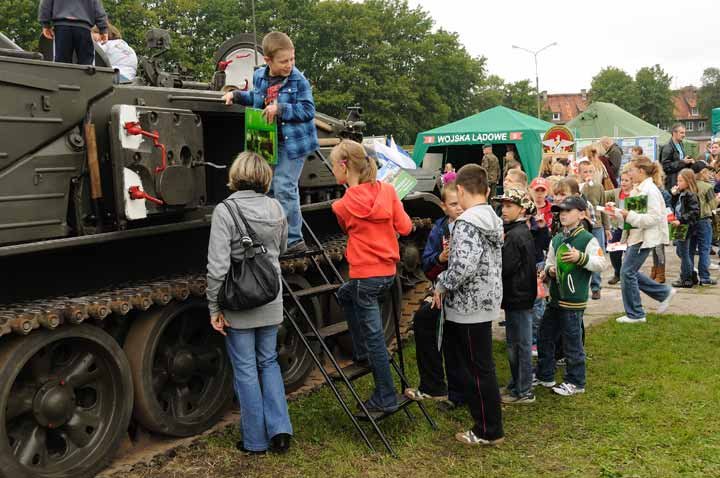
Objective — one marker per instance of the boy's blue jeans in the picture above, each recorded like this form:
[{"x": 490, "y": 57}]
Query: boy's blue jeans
[
  {"x": 359, "y": 299},
  {"x": 632, "y": 281},
  {"x": 263, "y": 408},
  {"x": 285, "y": 189},
  {"x": 518, "y": 335},
  {"x": 566, "y": 323},
  {"x": 701, "y": 240}
]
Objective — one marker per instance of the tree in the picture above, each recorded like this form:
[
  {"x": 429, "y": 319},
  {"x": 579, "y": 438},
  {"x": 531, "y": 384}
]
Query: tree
[
  {"x": 709, "y": 92},
  {"x": 613, "y": 85},
  {"x": 655, "y": 97},
  {"x": 381, "y": 54},
  {"x": 19, "y": 22}
]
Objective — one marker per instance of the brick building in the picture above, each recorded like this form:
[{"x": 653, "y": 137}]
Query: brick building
[
  {"x": 565, "y": 107},
  {"x": 686, "y": 110}
]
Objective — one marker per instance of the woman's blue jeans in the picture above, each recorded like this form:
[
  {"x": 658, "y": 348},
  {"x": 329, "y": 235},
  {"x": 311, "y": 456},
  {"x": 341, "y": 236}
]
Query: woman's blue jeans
[
  {"x": 632, "y": 281},
  {"x": 700, "y": 238},
  {"x": 258, "y": 385},
  {"x": 359, "y": 299}
]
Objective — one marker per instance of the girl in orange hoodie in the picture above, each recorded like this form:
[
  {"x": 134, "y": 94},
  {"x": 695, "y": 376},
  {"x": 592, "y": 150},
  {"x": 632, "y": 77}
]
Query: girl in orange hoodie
[{"x": 372, "y": 216}]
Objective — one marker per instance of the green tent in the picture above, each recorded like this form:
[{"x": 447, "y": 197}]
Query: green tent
[
  {"x": 607, "y": 119},
  {"x": 498, "y": 125}
]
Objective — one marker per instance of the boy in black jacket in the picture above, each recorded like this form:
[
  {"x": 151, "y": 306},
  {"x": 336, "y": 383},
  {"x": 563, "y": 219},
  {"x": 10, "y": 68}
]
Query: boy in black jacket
[{"x": 519, "y": 292}]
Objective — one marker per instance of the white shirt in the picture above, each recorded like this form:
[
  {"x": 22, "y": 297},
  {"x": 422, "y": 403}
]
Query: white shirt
[
  {"x": 122, "y": 57},
  {"x": 651, "y": 228}
]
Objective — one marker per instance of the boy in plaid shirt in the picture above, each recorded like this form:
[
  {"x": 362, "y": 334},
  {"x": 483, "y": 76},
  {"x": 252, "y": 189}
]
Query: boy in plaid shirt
[{"x": 284, "y": 93}]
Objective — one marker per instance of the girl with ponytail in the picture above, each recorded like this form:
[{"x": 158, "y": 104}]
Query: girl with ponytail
[
  {"x": 372, "y": 216},
  {"x": 648, "y": 230}
]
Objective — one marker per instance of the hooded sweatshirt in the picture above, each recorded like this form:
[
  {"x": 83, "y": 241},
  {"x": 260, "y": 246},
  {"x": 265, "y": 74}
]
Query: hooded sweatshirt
[
  {"x": 472, "y": 282},
  {"x": 81, "y": 13},
  {"x": 372, "y": 215}
]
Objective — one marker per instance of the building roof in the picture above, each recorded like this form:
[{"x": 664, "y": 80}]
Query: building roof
[
  {"x": 684, "y": 101},
  {"x": 568, "y": 105}
]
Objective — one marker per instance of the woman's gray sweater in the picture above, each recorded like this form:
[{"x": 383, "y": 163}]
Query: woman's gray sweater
[{"x": 268, "y": 220}]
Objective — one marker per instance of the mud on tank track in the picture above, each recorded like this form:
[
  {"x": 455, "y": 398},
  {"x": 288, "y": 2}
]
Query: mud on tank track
[{"x": 102, "y": 307}]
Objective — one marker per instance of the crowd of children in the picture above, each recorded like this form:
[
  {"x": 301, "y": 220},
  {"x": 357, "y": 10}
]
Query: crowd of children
[
  {"x": 534, "y": 252},
  {"x": 491, "y": 253}
]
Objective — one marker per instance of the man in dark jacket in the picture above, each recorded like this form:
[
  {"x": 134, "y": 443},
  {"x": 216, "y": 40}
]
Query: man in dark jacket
[
  {"x": 519, "y": 292},
  {"x": 614, "y": 155},
  {"x": 68, "y": 23},
  {"x": 672, "y": 156}
]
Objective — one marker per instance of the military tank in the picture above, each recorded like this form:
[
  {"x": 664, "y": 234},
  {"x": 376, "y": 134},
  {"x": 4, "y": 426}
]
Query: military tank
[{"x": 106, "y": 195}]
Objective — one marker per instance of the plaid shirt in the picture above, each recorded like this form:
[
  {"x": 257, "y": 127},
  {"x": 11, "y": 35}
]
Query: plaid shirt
[{"x": 296, "y": 111}]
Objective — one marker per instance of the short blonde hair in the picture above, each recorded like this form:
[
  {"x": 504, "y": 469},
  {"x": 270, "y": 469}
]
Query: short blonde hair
[
  {"x": 273, "y": 42},
  {"x": 250, "y": 171},
  {"x": 517, "y": 176}
]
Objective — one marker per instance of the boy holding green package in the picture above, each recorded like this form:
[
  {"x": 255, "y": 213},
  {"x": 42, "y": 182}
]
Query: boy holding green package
[{"x": 574, "y": 254}]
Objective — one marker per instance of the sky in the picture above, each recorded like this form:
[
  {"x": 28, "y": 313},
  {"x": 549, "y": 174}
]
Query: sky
[{"x": 627, "y": 34}]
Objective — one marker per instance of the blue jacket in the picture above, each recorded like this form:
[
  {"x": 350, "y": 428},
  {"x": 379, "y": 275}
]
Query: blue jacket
[
  {"x": 433, "y": 248},
  {"x": 296, "y": 111}
]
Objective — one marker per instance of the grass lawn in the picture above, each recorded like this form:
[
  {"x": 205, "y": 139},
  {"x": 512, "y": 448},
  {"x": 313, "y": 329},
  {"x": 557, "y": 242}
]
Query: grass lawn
[{"x": 652, "y": 409}]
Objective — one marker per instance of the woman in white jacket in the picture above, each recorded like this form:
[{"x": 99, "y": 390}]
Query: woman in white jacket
[{"x": 649, "y": 230}]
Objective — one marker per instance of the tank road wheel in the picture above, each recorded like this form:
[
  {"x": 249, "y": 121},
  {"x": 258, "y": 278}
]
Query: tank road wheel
[
  {"x": 294, "y": 359},
  {"x": 182, "y": 376},
  {"x": 65, "y": 402}
]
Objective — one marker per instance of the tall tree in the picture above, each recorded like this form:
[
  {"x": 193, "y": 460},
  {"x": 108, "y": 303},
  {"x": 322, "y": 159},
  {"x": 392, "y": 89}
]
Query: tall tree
[
  {"x": 613, "y": 85},
  {"x": 709, "y": 92},
  {"x": 382, "y": 54},
  {"x": 655, "y": 97}
]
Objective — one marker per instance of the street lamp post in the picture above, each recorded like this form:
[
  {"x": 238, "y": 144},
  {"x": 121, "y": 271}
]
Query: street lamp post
[{"x": 537, "y": 78}]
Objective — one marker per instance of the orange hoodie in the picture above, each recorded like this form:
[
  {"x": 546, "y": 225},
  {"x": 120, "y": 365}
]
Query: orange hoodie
[{"x": 372, "y": 216}]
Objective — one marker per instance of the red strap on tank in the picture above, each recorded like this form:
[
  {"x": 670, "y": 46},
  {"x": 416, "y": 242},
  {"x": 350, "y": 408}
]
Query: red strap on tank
[
  {"x": 137, "y": 193},
  {"x": 133, "y": 128}
]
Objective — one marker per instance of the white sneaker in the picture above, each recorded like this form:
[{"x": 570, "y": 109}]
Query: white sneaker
[
  {"x": 627, "y": 320},
  {"x": 537, "y": 382},
  {"x": 566, "y": 389},
  {"x": 666, "y": 303}
]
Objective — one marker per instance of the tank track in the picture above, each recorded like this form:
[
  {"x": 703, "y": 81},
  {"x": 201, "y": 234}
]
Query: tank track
[{"x": 22, "y": 318}]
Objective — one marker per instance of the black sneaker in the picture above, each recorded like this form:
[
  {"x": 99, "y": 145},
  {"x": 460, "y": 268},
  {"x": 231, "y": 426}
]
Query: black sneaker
[
  {"x": 683, "y": 284},
  {"x": 374, "y": 409},
  {"x": 614, "y": 280},
  {"x": 241, "y": 447},
  {"x": 280, "y": 443},
  {"x": 296, "y": 248},
  {"x": 708, "y": 282}
]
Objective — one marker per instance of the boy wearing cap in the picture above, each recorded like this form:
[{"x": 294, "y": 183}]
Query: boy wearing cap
[
  {"x": 519, "y": 292},
  {"x": 540, "y": 225},
  {"x": 573, "y": 256}
]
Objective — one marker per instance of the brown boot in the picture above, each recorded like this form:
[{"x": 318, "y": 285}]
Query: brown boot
[
  {"x": 660, "y": 274},
  {"x": 653, "y": 272}
]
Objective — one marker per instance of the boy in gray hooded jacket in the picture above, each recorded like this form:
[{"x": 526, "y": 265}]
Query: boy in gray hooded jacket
[{"x": 470, "y": 292}]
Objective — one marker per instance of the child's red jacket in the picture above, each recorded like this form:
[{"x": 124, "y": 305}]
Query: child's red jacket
[{"x": 372, "y": 215}]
